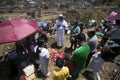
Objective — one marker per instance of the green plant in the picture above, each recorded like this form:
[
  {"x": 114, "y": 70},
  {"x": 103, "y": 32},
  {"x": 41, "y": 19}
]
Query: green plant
[{"x": 86, "y": 16}]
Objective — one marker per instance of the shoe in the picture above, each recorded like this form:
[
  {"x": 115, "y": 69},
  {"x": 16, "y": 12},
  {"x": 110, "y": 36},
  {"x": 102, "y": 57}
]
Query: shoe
[{"x": 48, "y": 74}]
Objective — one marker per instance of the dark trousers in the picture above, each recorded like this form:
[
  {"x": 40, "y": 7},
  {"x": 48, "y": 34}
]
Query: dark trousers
[
  {"x": 74, "y": 44},
  {"x": 104, "y": 40},
  {"x": 75, "y": 73}
]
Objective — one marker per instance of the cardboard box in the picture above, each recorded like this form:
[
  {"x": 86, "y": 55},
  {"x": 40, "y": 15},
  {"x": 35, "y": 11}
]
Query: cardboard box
[{"x": 29, "y": 70}]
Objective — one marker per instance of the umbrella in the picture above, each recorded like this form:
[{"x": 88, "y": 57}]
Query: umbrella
[
  {"x": 43, "y": 24},
  {"x": 112, "y": 15},
  {"x": 16, "y": 29}
]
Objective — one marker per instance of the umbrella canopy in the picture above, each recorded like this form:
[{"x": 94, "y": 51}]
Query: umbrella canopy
[
  {"x": 43, "y": 24},
  {"x": 16, "y": 29},
  {"x": 112, "y": 15}
]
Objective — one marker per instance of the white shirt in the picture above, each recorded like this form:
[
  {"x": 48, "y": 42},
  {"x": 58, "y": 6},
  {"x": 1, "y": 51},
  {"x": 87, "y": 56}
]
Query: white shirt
[
  {"x": 43, "y": 56},
  {"x": 61, "y": 24}
]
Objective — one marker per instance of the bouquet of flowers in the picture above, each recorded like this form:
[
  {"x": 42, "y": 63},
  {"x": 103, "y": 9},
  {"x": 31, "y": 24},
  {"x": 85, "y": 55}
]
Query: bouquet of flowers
[{"x": 54, "y": 54}]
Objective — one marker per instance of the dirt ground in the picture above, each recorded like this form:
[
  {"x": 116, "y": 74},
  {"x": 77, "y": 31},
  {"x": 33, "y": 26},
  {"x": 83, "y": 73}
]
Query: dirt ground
[
  {"x": 107, "y": 74},
  {"x": 109, "y": 67}
]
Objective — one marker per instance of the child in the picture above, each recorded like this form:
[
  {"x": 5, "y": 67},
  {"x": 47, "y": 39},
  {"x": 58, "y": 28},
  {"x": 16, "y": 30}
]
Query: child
[
  {"x": 96, "y": 65},
  {"x": 43, "y": 57},
  {"x": 61, "y": 72},
  {"x": 67, "y": 61}
]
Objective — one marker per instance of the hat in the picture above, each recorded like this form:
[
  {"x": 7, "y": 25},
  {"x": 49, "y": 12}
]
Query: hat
[{"x": 61, "y": 15}]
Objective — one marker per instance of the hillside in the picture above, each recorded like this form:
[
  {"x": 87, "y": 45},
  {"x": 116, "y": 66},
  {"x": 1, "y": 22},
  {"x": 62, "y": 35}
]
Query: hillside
[
  {"x": 99, "y": 9},
  {"x": 42, "y": 10}
]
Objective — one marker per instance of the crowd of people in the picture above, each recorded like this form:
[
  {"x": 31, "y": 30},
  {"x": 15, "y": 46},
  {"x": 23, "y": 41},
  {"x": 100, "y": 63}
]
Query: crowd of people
[{"x": 84, "y": 49}]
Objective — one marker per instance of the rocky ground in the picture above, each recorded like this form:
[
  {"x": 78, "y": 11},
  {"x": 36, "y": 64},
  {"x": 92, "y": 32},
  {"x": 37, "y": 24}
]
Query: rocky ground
[
  {"x": 107, "y": 74},
  {"x": 109, "y": 66}
]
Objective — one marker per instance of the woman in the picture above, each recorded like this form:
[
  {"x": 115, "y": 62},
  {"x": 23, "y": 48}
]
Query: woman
[
  {"x": 74, "y": 32},
  {"x": 43, "y": 57}
]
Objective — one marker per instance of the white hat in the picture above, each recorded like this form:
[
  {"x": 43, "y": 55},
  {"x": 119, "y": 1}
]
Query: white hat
[{"x": 61, "y": 15}]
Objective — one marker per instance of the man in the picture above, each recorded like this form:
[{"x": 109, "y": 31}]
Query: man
[
  {"x": 79, "y": 56},
  {"x": 60, "y": 26},
  {"x": 93, "y": 44}
]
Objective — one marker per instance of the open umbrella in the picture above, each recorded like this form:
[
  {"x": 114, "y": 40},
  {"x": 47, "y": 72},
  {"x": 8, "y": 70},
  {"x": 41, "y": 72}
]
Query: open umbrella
[
  {"x": 112, "y": 15},
  {"x": 16, "y": 29},
  {"x": 43, "y": 24}
]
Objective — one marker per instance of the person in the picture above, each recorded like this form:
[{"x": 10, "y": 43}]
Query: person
[
  {"x": 92, "y": 41},
  {"x": 60, "y": 26},
  {"x": 61, "y": 72},
  {"x": 1, "y": 19},
  {"x": 44, "y": 37},
  {"x": 105, "y": 36},
  {"x": 30, "y": 44},
  {"x": 67, "y": 61},
  {"x": 114, "y": 33},
  {"x": 74, "y": 32},
  {"x": 81, "y": 25},
  {"x": 15, "y": 58},
  {"x": 80, "y": 55},
  {"x": 43, "y": 58},
  {"x": 96, "y": 65}
]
